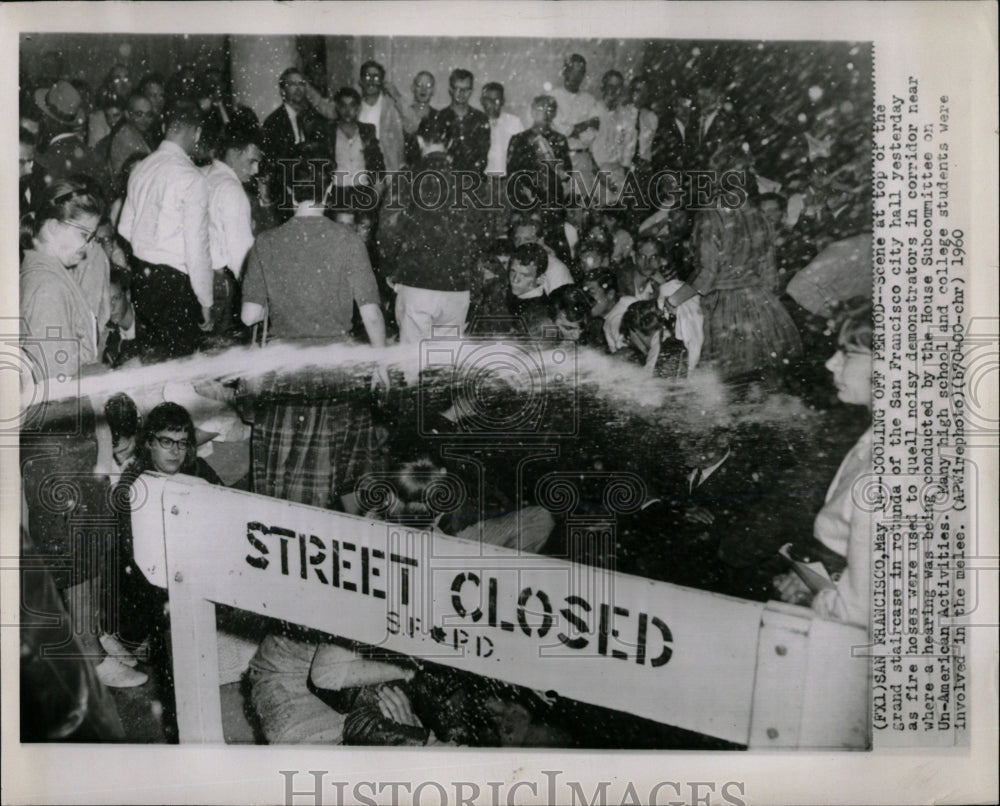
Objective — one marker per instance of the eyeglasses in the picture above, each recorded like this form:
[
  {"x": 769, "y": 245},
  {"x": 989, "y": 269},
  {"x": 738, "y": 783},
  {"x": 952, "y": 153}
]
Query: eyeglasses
[
  {"x": 91, "y": 234},
  {"x": 172, "y": 444}
]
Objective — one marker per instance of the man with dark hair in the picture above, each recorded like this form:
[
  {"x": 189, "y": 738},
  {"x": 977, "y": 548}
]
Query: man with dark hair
[
  {"x": 289, "y": 126},
  {"x": 165, "y": 219},
  {"x": 230, "y": 230},
  {"x": 154, "y": 87},
  {"x": 528, "y": 266},
  {"x": 577, "y": 118},
  {"x": 503, "y": 126},
  {"x": 528, "y": 229},
  {"x": 313, "y": 438},
  {"x": 538, "y": 163},
  {"x": 434, "y": 243},
  {"x": 415, "y": 113},
  {"x": 358, "y": 160},
  {"x": 468, "y": 128},
  {"x": 123, "y": 339},
  {"x": 65, "y": 154},
  {"x": 380, "y": 106},
  {"x": 710, "y": 126},
  {"x": 514, "y": 303},
  {"x": 384, "y": 115},
  {"x": 652, "y": 276},
  {"x": 133, "y": 134},
  {"x": 614, "y": 146}
]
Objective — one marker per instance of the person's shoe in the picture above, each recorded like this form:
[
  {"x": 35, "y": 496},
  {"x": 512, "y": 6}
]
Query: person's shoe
[
  {"x": 142, "y": 651},
  {"x": 115, "y": 674},
  {"x": 117, "y": 650}
]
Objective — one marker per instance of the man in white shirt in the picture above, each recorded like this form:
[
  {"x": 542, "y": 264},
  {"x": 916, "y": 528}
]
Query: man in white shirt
[
  {"x": 165, "y": 219},
  {"x": 614, "y": 144},
  {"x": 528, "y": 230},
  {"x": 230, "y": 233},
  {"x": 503, "y": 126},
  {"x": 381, "y": 106},
  {"x": 673, "y": 296},
  {"x": 577, "y": 118},
  {"x": 531, "y": 274},
  {"x": 647, "y": 121}
]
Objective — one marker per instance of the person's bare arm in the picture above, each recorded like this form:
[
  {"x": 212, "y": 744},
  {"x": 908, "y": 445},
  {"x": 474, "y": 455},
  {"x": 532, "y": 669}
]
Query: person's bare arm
[{"x": 371, "y": 317}]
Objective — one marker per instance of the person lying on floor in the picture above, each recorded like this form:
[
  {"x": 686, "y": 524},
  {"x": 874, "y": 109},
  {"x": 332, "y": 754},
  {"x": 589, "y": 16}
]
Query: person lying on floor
[{"x": 320, "y": 690}]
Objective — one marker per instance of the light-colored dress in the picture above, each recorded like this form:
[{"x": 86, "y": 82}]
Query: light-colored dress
[{"x": 844, "y": 525}]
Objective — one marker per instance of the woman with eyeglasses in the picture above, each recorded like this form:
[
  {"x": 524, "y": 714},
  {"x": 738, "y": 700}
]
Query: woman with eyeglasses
[
  {"x": 843, "y": 525},
  {"x": 167, "y": 446},
  {"x": 60, "y": 329}
]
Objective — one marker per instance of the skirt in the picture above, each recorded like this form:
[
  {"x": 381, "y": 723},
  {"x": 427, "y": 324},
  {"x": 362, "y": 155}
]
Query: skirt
[
  {"x": 747, "y": 329},
  {"x": 314, "y": 448}
]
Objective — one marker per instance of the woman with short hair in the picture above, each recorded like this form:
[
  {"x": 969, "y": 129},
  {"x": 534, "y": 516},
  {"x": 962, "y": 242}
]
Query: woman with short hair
[
  {"x": 60, "y": 329},
  {"x": 844, "y": 524}
]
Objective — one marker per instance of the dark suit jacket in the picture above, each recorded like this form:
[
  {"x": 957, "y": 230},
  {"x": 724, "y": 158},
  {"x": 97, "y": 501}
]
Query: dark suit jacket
[
  {"x": 278, "y": 143},
  {"x": 30, "y": 189},
  {"x": 524, "y": 154},
  {"x": 68, "y": 156},
  {"x": 701, "y": 146},
  {"x": 278, "y": 138},
  {"x": 470, "y": 138},
  {"x": 432, "y": 245},
  {"x": 670, "y": 147}
]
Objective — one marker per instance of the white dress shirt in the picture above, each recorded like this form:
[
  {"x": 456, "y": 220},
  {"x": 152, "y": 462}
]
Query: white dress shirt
[
  {"x": 372, "y": 113},
  {"x": 230, "y": 234},
  {"x": 615, "y": 142},
  {"x": 648, "y": 123},
  {"x": 573, "y": 108},
  {"x": 557, "y": 274},
  {"x": 165, "y": 216},
  {"x": 350, "y": 155},
  {"x": 501, "y": 130},
  {"x": 699, "y": 475},
  {"x": 690, "y": 327},
  {"x": 613, "y": 322},
  {"x": 293, "y": 118}
]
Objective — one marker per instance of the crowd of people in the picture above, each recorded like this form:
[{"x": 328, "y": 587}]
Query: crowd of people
[{"x": 161, "y": 219}]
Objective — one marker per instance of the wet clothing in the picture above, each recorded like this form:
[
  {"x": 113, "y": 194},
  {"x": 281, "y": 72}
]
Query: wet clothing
[
  {"x": 469, "y": 138},
  {"x": 845, "y": 526},
  {"x": 746, "y": 327},
  {"x": 312, "y": 435},
  {"x": 308, "y": 273},
  {"x": 60, "y": 335}
]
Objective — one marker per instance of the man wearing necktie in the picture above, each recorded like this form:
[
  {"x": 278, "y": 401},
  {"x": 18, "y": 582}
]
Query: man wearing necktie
[
  {"x": 288, "y": 127},
  {"x": 539, "y": 165},
  {"x": 709, "y": 127}
]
